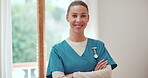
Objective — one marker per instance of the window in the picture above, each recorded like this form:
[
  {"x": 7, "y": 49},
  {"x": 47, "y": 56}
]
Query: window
[
  {"x": 24, "y": 33},
  {"x": 24, "y": 38},
  {"x": 23, "y": 17},
  {"x": 57, "y": 28}
]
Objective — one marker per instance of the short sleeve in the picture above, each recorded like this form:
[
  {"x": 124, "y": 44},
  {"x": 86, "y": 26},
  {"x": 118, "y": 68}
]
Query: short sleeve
[
  {"x": 55, "y": 63},
  {"x": 104, "y": 54}
]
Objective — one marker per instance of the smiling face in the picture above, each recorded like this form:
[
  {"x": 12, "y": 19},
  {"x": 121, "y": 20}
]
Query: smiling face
[{"x": 78, "y": 18}]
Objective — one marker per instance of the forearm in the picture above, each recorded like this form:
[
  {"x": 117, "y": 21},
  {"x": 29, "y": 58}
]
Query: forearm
[
  {"x": 57, "y": 74},
  {"x": 104, "y": 73}
]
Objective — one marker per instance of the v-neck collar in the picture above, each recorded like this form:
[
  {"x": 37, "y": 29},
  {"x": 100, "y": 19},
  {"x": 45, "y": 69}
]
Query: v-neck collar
[{"x": 74, "y": 52}]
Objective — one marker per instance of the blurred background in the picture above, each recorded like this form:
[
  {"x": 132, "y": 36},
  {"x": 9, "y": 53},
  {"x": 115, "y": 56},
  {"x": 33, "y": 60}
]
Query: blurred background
[{"x": 121, "y": 24}]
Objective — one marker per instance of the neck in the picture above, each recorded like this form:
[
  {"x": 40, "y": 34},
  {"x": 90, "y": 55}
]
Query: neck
[{"x": 77, "y": 37}]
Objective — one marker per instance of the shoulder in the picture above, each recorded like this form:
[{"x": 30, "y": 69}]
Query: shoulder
[
  {"x": 58, "y": 48},
  {"x": 96, "y": 41},
  {"x": 59, "y": 45}
]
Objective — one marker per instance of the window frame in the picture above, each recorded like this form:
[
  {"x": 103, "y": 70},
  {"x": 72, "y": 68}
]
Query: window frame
[
  {"x": 41, "y": 37},
  {"x": 5, "y": 39}
]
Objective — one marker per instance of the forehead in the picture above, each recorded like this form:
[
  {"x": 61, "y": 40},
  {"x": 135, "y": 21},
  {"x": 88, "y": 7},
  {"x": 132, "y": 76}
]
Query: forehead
[{"x": 78, "y": 9}]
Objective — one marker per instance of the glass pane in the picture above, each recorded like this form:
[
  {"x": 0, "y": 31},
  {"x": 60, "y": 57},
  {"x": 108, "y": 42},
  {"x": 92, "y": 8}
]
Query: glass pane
[
  {"x": 24, "y": 38},
  {"x": 57, "y": 28}
]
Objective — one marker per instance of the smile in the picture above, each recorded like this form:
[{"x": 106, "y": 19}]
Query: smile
[{"x": 78, "y": 26}]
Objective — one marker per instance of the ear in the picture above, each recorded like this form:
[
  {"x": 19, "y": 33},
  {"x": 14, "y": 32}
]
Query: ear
[{"x": 67, "y": 18}]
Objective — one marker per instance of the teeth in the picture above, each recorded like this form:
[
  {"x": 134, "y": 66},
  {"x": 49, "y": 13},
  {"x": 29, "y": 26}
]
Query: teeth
[{"x": 78, "y": 26}]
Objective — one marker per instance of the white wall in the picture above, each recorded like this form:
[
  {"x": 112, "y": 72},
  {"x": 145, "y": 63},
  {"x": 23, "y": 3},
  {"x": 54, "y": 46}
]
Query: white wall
[{"x": 123, "y": 26}]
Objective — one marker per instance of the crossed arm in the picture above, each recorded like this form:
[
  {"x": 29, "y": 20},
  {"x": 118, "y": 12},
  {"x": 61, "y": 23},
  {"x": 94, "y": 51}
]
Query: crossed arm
[{"x": 102, "y": 70}]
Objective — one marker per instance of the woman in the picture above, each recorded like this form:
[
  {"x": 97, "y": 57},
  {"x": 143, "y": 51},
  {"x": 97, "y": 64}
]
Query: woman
[{"x": 79, "y": 56}]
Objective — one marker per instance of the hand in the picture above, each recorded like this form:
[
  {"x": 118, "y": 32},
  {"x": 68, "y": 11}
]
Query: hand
[
  {"x": 101, "y": 65},
  {"x": 69, "y": 75}
]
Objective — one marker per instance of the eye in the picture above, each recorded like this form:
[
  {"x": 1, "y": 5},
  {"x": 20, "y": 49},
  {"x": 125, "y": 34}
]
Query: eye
[
  {"x": 74, "y": 15},
  {"x": 83, "y": 15}
]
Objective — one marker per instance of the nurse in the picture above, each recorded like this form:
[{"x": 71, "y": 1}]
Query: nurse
[{"x": 79, "y": 56}]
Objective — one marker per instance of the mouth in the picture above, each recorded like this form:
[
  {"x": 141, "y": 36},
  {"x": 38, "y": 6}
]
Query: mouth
[{"x": 78, "y": 26}]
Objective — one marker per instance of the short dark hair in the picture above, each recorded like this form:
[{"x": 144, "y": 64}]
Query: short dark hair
[{"x": 77, "y": 2}]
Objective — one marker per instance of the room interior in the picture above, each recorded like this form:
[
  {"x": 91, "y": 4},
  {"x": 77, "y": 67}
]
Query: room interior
[{"x": 121, "y": 24}]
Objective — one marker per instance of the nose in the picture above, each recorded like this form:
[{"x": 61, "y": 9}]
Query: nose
[{"x": 78, "y": 19}]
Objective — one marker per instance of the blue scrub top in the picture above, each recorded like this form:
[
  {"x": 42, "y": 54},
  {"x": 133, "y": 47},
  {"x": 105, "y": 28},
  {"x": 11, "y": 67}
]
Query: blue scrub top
[{"x": 63, "y": 58}]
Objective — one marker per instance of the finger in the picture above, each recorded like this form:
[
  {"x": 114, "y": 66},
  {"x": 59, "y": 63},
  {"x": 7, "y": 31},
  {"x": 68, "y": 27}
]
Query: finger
[
  {"x": 96, "y": 68},
  {"x": 100, "y": 66},
  {"x": 104, "y": 67},
  {"x": 100, "y": 62},
  {"x": 103, "y": 64}
]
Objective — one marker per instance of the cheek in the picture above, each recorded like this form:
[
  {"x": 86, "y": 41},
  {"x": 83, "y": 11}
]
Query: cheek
[
  {"x": 85, "y": 21},
  {"x": 71, "y": 20}
]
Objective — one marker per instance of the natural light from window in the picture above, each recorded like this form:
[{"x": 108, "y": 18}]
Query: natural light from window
[
  {"x": 24, "y": 38},
  {"x": 24, "y": 33}
]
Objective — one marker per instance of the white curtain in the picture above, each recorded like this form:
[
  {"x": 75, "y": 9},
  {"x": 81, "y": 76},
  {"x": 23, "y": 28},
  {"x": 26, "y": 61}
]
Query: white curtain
[{"x": 5, "y": 39}]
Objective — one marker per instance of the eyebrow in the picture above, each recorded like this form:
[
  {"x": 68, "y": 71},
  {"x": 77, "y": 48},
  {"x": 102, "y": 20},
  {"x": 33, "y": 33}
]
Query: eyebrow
[
  {"x": 73, "y": 13},
  {"x": 81, "y": 13}
]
